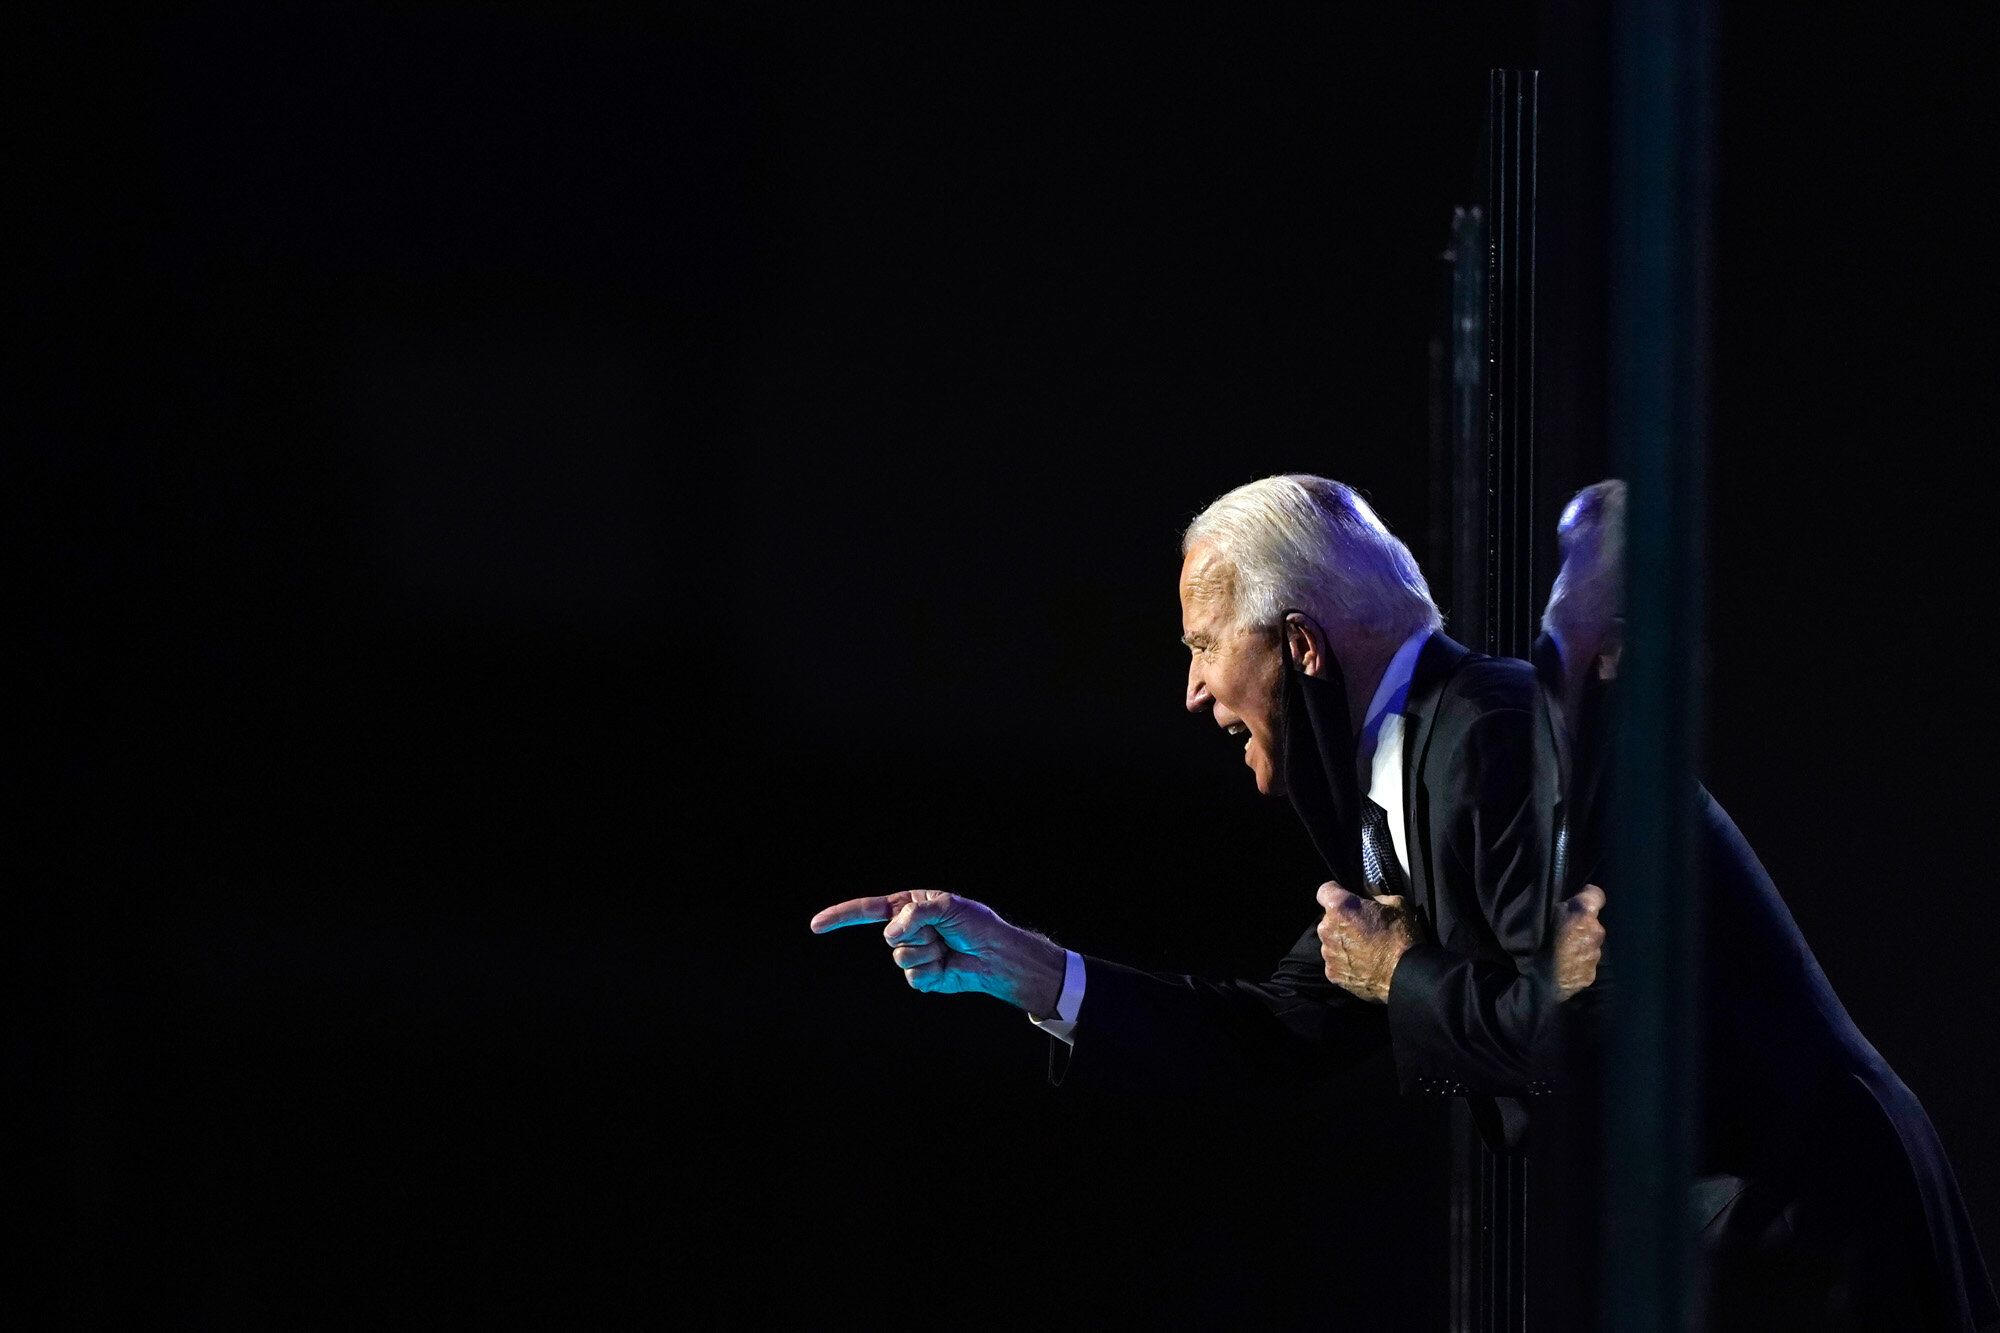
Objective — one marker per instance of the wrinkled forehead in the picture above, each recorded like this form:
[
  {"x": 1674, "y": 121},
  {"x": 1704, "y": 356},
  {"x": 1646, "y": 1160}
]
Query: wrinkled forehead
[{"x": 1208, "y": 587}]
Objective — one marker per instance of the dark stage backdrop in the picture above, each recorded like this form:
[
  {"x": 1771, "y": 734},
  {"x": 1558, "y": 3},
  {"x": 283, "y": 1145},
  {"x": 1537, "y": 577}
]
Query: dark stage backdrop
[{"x": 523, "y": 504}]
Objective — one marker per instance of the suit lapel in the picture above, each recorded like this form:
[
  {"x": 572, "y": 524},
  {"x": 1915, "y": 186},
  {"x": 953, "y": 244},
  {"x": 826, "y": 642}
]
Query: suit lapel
[{"x": 1549, "y": 674}]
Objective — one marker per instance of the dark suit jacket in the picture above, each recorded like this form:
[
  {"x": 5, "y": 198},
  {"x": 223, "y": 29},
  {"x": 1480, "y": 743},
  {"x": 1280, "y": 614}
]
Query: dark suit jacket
[
  {"x": 1463, "y": 1003},
  {"x": 1808, "y": 1115},
  {"x": 1809, "y": 1139}
]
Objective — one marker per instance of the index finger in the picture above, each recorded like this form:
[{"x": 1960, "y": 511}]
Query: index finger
[{"x": 855, "y": 912}]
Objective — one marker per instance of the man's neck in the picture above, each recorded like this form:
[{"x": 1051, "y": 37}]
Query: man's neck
[{"x": 1363, "y": 659}]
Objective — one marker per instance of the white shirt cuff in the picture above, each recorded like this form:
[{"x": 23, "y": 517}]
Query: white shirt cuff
[{"x": 1063, "y": 1025}]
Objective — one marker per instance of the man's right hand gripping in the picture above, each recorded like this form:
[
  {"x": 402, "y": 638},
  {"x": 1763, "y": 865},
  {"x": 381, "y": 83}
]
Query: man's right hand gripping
[{"x": 947, "y": 943}]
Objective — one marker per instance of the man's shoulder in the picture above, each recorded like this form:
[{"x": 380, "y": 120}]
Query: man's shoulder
[
  {"x": 1484, "y": 732},
  {"x": 1485, "y": 708},
  {"x": 1484, "y": 685}
]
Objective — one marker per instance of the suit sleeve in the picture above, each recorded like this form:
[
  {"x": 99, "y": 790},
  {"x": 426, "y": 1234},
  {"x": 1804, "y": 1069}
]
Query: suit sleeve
[
  {"x": 1463, "y": 1022},
  {"x": 1169, "y": 1032}
]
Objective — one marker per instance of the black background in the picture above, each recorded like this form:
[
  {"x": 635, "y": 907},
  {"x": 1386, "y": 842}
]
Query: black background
[{"x": 521, "y": 505}]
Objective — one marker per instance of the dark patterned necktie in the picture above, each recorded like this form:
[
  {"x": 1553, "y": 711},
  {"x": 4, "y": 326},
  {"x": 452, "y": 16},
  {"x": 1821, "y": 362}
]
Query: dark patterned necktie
[
  {"x": 1562, "y": 859},
  {"x": 1379, "y": 865}
]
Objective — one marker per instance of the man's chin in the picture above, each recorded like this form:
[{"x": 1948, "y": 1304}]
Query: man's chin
[{"x": 1269, "y": 781}]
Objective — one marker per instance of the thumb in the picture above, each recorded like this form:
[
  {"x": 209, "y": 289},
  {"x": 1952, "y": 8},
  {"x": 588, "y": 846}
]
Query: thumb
[
  {"x": 1331, "y": 896},
  {"x": 1591, "y": 900}
]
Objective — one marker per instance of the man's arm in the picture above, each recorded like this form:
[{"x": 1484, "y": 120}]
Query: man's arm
[
  {"x": 1134, "y": 1028},
  {"x": 1171, "y": 1031}
]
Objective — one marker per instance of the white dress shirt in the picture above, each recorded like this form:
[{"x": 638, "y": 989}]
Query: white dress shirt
[{"x": 1378, "y": 753}]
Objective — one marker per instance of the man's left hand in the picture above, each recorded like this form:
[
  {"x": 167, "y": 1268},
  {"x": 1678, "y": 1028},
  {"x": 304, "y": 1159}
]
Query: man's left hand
[{"x": 1362, "y": 940}]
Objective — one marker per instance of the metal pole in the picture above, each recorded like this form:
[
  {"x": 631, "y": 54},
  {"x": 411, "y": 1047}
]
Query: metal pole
[
  {"x": 1659, "y": 149},
  {"x": 1488, "y": 442}
]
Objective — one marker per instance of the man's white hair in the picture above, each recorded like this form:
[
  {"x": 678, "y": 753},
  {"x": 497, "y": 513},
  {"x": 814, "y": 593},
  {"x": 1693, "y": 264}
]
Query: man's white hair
[
  {"x": 1590, "y": 587},
  {"x": 1308, "y": 544}
]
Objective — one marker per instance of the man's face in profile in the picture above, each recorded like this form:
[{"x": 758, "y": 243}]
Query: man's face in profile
[{"x": 1234, "y": 671}]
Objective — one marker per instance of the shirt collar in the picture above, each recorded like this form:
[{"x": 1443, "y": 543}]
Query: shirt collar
[{"x": 1394, "y": 691}]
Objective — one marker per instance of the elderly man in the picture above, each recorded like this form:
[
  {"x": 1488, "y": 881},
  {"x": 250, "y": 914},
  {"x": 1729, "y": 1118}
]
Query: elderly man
[
  {"x": 1410, "y": 759},
  {"x": 1826, "y": 1201}
]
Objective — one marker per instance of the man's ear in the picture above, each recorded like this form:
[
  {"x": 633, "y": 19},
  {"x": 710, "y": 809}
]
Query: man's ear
[
  {"x": 1303, "y": 644},
  {"x": 1612, "y": 647}
]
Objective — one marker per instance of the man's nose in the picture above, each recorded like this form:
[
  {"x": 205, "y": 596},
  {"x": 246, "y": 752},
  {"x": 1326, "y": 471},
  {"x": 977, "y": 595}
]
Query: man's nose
[{"x": 1198, "y": 697}]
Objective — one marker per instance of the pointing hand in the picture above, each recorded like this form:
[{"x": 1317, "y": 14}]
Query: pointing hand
[{"x": 946, "y": 943}]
